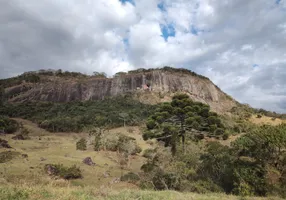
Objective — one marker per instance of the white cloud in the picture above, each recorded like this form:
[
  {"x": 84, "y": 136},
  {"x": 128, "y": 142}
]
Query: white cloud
[{"x": 239, "y": 44}]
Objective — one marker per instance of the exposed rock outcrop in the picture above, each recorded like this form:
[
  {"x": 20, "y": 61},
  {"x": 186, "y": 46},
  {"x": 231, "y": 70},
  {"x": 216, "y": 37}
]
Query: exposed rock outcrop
[{"x": 148, "y": 86}]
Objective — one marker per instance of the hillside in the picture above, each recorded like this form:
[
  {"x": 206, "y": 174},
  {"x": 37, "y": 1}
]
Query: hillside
[
  {"x": 148, "y": 86},
  {"x": 24, "y": 178},
  {"x": 158, "y": 136}
]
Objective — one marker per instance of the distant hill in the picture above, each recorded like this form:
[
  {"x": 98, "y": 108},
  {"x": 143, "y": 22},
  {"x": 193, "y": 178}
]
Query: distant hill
[{"x": 146, "y": 85}]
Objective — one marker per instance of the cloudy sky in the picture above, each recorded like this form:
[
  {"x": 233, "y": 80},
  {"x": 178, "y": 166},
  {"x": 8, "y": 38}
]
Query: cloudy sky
[{"x": 239, "y": 44}]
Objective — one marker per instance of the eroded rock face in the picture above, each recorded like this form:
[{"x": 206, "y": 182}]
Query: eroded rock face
[{"x": 149, "y": 87}]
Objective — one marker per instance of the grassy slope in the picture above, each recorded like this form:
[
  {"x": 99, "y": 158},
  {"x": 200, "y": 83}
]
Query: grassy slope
[
  {"x": 61, "y": 148},
  {"x": 24, "y": 178},
  {"x": 93, "y": 193},
  {"x": 266, "y": 120}
]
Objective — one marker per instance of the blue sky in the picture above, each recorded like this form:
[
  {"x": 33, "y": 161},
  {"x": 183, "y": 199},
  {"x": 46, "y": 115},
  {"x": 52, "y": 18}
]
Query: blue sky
[{"x": 239, "y": 45}]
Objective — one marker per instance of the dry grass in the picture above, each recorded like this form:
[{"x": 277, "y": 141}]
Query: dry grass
[
  {"x": 57, "y": 148},
  {"x": 265, "y": 120}
]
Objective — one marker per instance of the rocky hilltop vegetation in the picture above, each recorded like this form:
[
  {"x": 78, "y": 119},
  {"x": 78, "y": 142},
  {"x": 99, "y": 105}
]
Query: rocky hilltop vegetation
[{"x": 149, "y": 86}]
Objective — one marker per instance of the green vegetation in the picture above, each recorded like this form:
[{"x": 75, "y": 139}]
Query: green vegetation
[
  {"x": 8, "y": 192},
  {"x": 6, "y": 156},
  {"x": 254, "y": 165},
  {"x": 61, "y": 171},
  {"x": 180, "y": 119},
  {"x": 116, "y": 142},
  {"x": 23, "y": 135},
  {"x": 130, "y": 177},
  {"x": 81, "y": 144},
  {"x": 8, "y": 125},
  {"x": 77, "y": 116},
  {"x": 27, "y": 77},
  {"x": 168, "y": 69}
]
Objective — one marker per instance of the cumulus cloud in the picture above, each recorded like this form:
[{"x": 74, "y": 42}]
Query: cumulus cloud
[{"x": 239, "y": 45}]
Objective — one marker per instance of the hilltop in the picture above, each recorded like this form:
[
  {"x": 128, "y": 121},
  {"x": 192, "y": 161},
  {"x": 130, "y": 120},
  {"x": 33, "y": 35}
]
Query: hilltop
[{"x": 149, "y": 86}]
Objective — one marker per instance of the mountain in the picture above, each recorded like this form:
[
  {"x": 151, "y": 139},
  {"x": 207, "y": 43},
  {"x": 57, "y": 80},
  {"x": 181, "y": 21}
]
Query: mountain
[{"x": 147, "y": 85}]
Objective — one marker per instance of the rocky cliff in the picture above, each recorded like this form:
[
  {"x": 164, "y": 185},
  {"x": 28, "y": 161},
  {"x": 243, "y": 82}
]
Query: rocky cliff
[{"x": 148, "y": 86}]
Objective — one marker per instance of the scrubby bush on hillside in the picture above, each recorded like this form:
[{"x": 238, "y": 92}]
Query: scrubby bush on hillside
[
  {"x": 23, "y": 135},
  {"x": 117, "y": 142},
  {"x": 130, "y": 177},
  {"x": 8, "y": 125},
  {"x": 61, "y": 171},
  {"x": 6, "y": 156},
  {"x": 81, "y": 144}
]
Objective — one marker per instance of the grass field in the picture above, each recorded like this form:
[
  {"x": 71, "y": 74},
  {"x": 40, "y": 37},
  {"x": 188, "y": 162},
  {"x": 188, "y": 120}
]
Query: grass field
[
  {"x": 60, "y": 148},
  {"x": 24, "y": 178},
  {"x": 266, "y": 120},
  {"x": 51, "y": 192}
]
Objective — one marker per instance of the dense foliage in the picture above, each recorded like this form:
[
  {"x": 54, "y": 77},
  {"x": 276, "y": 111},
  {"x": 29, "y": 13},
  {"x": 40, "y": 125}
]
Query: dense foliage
[
  {"x": 254, "y": 164},
  {"x": 182, "y": 118},
  {"x": 81, "y": 144},
  {"x": 64, "y": 172},
  {"x": 75, "y": 116},
  {"x": 8, "y": 125}
]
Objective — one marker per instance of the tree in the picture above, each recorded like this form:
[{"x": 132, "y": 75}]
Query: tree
[
  {"x": 124, "y": 117},
  {"x": 99, "y": 74},
  {"x": 172, "y": 121}
]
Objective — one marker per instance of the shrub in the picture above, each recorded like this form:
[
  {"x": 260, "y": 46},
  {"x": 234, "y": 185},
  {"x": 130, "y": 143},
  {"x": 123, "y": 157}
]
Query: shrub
[
  {"x": 23, "y": 135},
  {"x": 166, "y": 181},
  {"x": 225, "y": 136},
  {"x": 117, "y": 142},
  {"x": 258, "y": 116},
  {"x": 149, "y": 153},
  {"x": 4, "y": 144},
  {"x": 81, "y": 144},
  {"x": 6, "y": 156},
  {"x": 8, "y": 125},
  {"x": 61, "y": 171},
  {"x": 200, "y": 186},
  {"x": 150, "y": 124},
  {"x": 219, "y": 131},
  {"x": 148, "y": 135},
  {"x": 130, "y": 177}
]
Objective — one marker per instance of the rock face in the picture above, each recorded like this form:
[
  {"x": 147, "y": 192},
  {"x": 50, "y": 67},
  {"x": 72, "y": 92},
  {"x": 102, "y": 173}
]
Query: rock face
[{"x": 148, "y": 86}]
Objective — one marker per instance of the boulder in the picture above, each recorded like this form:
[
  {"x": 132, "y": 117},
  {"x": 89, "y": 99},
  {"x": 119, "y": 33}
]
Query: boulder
[{"x": 88, "y": 161}]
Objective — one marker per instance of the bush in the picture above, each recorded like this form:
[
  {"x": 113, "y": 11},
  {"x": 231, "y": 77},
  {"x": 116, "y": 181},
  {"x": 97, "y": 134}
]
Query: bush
[
  {"x": 23, "y": 135},
  {"x": 259, "y": 116},
  {"x": 61, "y": 171},
  {"x": 81, "y": 144},
  {"x": 117, "y": 142},
  {"x": 166, "y": 181},
  {"x": 130, "y": 177},
  {"x": 200, "y": 186},
  {"x": 149, "y": 153},
  {"x": 6, "y": 156},
  {"x": 148, "y": 135},
  {"x": 225, "y": 136},
  {"x": 8, "y": 125},
  {"x": 219, "y": 131},
  {"x": 151, "y": 124}
]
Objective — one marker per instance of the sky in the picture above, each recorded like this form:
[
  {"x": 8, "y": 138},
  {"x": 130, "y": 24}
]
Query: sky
[{"x": 239, "y": 44}]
